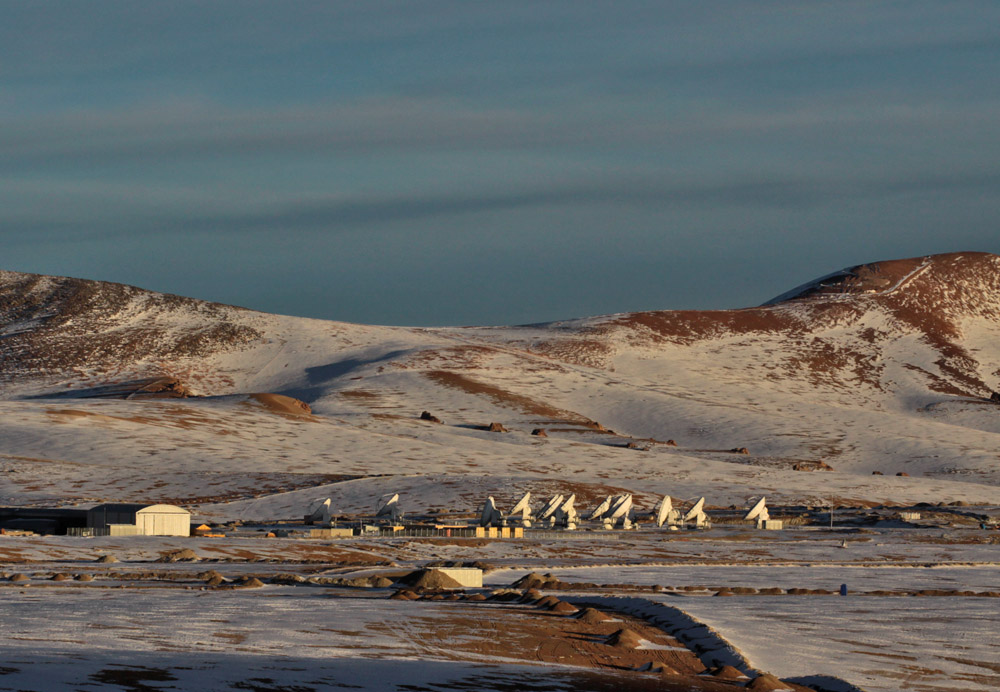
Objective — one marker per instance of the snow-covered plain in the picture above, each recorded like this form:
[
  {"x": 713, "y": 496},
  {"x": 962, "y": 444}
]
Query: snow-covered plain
[
  {"x": 884, "y": 644},
  {"x": 277, "y": 638}
]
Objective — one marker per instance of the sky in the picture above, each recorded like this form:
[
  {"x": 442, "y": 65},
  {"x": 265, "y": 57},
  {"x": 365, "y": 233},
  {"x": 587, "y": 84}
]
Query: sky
[{"x": 445, "y": 163}]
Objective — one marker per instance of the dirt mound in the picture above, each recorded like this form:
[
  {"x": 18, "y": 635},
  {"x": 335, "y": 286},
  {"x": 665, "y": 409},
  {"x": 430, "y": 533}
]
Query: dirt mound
[
  {"x": 279, "y": 403},
  {"x": 657, "y": 667},
  {"x": 530, "y": 596},
  {"x": 495, "y": 427},
  {"x": 533, "y": 580},
  {"x": 593, "y": 616},
  {"x": 563, "y": 608},
  {"x": 430, "y": 579},
  {"x": 210, "y": 574},
  {"x": 727, "y": 673},
  {"x": 404, "y": 595},
  {"x": 381, "y": 582},
  {"x": 528, "y": 581},
  {"x": 179, "y": 555},
  {"x": 84, "y": 577},
  {"x": 505, "y": 596},
  {"x": 546, "y": 602},
  {"x": 58, "y": 576},
  {"x": 106, "y": 559},
  {"x": 766, "y": 683},
  {"x": 215, "y": 581},
  {"x": 625, "y": 639},
  {"x": 476, "y": 597},
  {"x": 250, "y": 583},
  {"x": 18, "y": 578}
]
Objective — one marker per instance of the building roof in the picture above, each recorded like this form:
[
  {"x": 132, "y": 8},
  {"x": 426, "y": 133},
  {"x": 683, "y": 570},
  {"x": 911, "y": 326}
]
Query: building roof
[{"x": 134, "y": 508}]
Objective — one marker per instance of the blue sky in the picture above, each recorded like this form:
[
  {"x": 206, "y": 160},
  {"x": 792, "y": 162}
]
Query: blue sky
[{"x": 434, "y": 163}]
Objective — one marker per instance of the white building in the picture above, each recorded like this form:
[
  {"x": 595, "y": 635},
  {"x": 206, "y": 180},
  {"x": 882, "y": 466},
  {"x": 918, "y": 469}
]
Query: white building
[{"x": 140, "y": 520}]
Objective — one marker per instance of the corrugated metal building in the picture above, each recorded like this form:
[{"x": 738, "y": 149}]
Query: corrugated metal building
[{"x": 140, "y": 520}]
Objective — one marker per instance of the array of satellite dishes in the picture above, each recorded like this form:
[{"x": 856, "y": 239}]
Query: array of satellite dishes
[{"x": 560, "y": 511}]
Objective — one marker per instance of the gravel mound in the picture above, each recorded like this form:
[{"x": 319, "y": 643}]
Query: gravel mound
[
  {"x": 727, "y": 673},
  {"x": 563, "y": 608},
  {"x": 766, "y": 683},
  {"x": 593, "y": 616},
  {"x": 430, "y": 579},
  {"x": 625, "y": 639}
]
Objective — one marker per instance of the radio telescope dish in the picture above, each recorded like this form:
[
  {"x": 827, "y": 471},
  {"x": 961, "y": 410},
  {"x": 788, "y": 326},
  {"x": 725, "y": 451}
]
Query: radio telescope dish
[
  {"x": 697, "y": 514},
  {"x": 665, "y": 510},
  {"x": 524, "y": 509},
  {"x": 602, "y": 508},
  {"x": 490, "y": 515},
  {"x": 319, "y": 510},
  {"x": 758, "y": 511},
  {"x": 385, "y": 501},
  {"x": 551, "y": 506},
  {"x": 621, "y": 507},
  {"x": 388, "y": 507},
  {"x": 522, "y": 506},
  {"x": 695, "y": 510},
  {"x": 566, "y": 514}
]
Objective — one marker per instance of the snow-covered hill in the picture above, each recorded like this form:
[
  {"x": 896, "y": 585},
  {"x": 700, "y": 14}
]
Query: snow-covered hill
[{"x": 884, "y": 367}]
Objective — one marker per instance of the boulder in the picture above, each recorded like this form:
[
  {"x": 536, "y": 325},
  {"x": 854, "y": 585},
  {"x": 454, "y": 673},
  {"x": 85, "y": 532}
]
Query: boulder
[
  {"x": 539, "y": 432},
  {"x": 180, "y": 555},
  {"x": 428, "y": 416}
]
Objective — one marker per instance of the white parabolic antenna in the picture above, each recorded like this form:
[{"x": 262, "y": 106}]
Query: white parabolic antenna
[
  {"x": 758, "y": 511},
  {"x": 319, "y": 510},
  {"x": 666, "y": 507},
  {"x": 387, "y": 504},
  {"x": 490, "y": 515},
  {"x": 316, "y": 506},
  {"x": 695, "y": 511},
  {"x": 567, "y": 506},
  {"x": 522, "y": 507},
  {"x": 602, "y": 508},
  {"x": 551, "y": 506},
  {"x": 621, "y": 507}
]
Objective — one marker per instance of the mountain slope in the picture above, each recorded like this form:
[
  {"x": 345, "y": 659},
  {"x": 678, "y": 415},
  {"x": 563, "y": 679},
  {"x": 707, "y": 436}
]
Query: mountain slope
[{"x": 883, "y": 367}]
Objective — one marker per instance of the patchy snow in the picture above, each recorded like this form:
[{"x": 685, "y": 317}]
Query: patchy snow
[{"x": 881, "y": 644}]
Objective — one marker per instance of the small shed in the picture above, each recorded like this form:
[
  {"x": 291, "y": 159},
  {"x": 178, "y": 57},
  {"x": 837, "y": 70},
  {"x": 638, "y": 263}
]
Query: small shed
[
  {"x": 466, "y": 576},
  {"x": 120, "y": 519}
]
